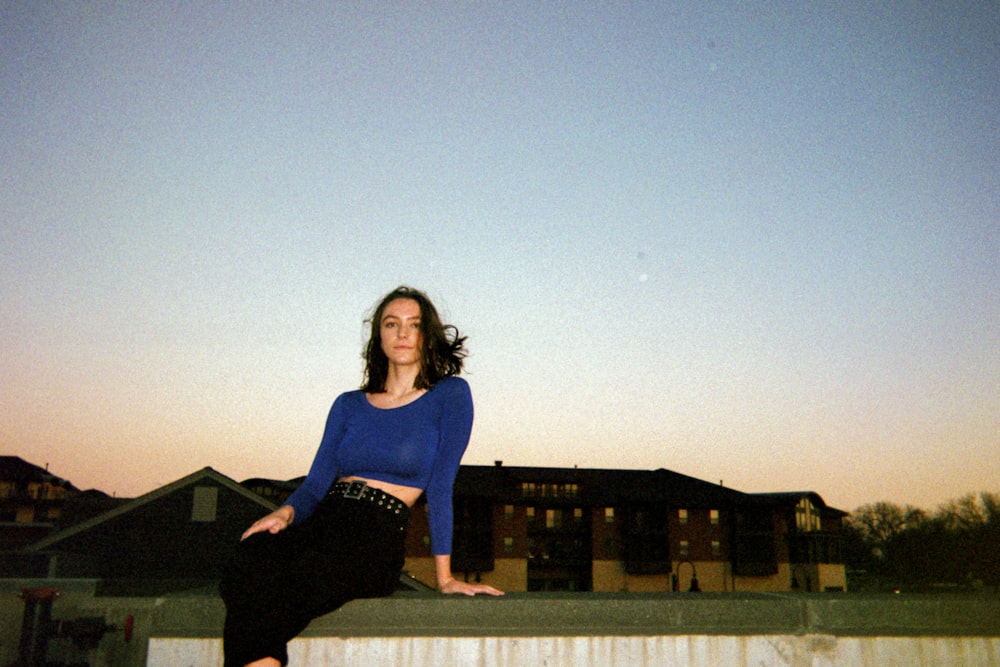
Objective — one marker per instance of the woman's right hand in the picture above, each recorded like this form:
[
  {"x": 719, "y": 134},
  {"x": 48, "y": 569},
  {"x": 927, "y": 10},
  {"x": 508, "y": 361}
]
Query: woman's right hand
[{"x": 275, "y": 522}]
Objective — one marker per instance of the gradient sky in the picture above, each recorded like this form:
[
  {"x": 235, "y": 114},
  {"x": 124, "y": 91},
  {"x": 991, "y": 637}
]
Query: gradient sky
[{"x": 757, "y": 243}]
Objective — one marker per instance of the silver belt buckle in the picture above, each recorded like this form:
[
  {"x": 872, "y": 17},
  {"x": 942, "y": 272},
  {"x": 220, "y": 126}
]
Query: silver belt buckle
[{"x": 355, "y": 489}]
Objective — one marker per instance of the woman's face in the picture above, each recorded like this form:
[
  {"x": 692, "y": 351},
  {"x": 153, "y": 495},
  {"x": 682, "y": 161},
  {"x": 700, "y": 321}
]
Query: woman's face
[{"x": 402, "y": 337}]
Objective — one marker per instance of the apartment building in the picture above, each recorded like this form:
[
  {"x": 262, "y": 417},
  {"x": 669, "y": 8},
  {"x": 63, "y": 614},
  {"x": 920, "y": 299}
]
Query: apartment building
[{"x": 569, "y": 529}]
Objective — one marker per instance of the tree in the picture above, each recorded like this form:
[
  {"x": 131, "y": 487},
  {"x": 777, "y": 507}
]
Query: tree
[
  {"x": 904, "y": 547},
  {"x": 965, "y": 513},
  {"x": 880, "y": 522},
  {"x": 991, "y": 508}
]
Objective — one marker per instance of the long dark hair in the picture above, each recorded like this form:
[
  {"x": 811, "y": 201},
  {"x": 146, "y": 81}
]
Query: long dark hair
[{"x": 444, "y": 348}]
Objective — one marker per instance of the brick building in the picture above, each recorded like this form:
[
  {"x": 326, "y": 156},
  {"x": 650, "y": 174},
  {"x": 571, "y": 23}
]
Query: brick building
[
  {"x": 32, "y": 501},
  {"x": 544, "y": 529}
]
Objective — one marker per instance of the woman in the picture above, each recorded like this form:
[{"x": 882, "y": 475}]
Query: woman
[{"x": 341, "y": 535}]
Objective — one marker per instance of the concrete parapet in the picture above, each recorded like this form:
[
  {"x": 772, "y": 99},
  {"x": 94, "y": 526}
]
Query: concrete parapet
[
  {"x": 576, "y": 629},
  {"x": 626, "y": 630},
  {"x": 637, "y": 614}
]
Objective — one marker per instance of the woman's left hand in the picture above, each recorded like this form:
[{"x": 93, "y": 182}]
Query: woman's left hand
[{"x": 456, "y": 587}]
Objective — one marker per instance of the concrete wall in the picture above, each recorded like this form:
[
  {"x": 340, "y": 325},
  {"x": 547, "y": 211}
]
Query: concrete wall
[
  {"x": 571, "y": 630},
  {"x": 710, "y": 651},
  {"x": 574, "y": 630}
]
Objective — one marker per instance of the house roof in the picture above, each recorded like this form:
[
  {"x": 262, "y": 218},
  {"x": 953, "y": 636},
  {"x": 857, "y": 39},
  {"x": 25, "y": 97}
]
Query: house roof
[
  {"x": 16, "y": 469},
  {"x": 793, "y": 497},
  {"x": 193, "y": 478},
  {"x": 610, "y": 486},
  {"x": 599, "y": 486}
]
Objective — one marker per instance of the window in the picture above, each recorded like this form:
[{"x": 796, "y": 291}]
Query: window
[
  {"x": 609, "y": 515},
  {"x": 508, "y": 545},
  {"x": 685, "y": 548},
  {"x": 205, "y": 503},
  {"x": 578, "y": 514},
  {"x": 549, "y": 490},
  {"x": 716, "y": 548},
  {"x": 51, "y": 492},
  {"x": 529, "y": 512},
  {"x": 682, "y": 517},
  {"x": 553, "y": 518},
  {"x": 713, "y": 517},
  {"x": 806, "y": 516},
  {"x": 508, "y": 512}
]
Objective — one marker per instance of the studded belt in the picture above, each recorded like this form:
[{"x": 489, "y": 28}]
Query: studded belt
[{"x": 359, "y": 490}]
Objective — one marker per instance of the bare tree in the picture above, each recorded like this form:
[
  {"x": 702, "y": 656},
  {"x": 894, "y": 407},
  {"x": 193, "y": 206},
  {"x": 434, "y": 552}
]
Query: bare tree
[
  {"x": 880, "y": 522},
  {"x": 991, "y": 508},
  {"x": 964, "y": 513},
  {"x": 905, "y": 546}
]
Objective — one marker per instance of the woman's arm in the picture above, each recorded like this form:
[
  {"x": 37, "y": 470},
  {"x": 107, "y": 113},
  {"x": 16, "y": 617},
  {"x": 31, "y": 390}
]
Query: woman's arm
[
  {"x": 325, "y": 465},
  {"x": 321, "y": 475},
  {"x": 455, "y": 428},
  {"x": 447, "y": 583},
  {"x": 275, "y": 522}
]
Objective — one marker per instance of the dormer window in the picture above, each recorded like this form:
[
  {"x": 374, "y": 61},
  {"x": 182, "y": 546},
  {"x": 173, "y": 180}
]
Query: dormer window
[{"x": 807, "y": 517}]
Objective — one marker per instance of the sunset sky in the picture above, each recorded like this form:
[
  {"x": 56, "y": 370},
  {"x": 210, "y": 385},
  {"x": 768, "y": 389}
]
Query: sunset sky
[{"x": 757, "y": 243}]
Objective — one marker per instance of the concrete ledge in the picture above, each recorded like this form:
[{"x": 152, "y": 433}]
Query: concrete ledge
[
  {"x": 595, "y": 614},
  {"x": 558, "y": 630},
  {"x": 617, "y": 630},
  {"x": 673, "y": 650}
]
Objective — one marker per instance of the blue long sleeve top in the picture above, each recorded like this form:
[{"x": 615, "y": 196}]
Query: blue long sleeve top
[{"x": 419, "y": 444}]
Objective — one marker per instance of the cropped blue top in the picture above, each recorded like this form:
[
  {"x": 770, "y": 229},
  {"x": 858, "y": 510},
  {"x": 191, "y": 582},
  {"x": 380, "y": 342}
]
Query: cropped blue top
[{"x": 419, "y": 444}]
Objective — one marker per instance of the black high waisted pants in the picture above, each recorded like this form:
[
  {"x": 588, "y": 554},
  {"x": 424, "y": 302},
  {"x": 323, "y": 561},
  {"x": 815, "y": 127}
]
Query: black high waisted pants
[{"x": 276, "y": 584}]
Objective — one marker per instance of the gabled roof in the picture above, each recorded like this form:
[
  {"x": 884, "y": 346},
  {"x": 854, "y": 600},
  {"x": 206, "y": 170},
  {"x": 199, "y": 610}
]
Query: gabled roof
[
  {"x": 193, "y": 478},
  {"x": 793, "y": 497}
]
